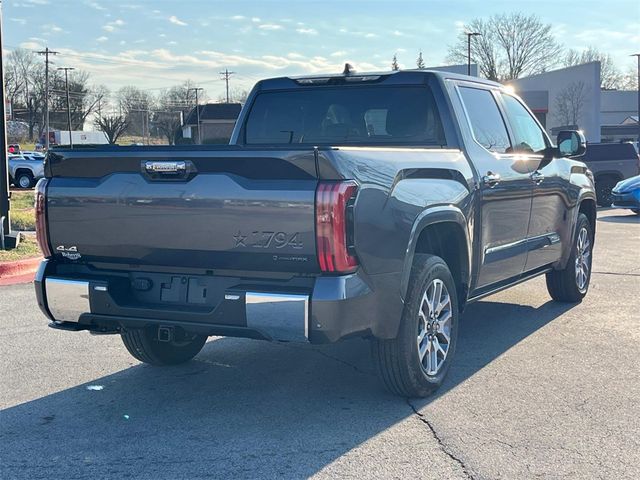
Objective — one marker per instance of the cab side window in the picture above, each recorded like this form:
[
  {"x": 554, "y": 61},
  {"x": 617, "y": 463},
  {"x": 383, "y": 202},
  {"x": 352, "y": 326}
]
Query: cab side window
[
  {"x": 528, "y": 137},
  {"x": 486, "y": 121}
]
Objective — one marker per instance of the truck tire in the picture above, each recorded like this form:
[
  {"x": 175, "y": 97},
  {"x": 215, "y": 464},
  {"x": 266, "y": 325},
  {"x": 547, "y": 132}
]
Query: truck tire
[
  {"x": 144, "y": 345},
  {"x": 415, "y": 363},
  {"x": 604, "y": 186},
  {"x": 572, "y": 283},
  {"x": 24, "y": 180}
]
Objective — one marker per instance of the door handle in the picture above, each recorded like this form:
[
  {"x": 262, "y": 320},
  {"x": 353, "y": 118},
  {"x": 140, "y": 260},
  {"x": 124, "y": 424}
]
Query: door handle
[
  {"x": 537, "y": 177},
  {"x": 491, "y": 179}
]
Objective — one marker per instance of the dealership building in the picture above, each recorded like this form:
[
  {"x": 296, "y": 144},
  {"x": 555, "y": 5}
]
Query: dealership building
[{"x": 572, "y": 98}]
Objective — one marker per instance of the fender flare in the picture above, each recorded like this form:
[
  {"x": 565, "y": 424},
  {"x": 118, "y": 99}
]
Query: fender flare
[
  {"x": 585, "y": 194},
  {"x": 428, "y": 217}
]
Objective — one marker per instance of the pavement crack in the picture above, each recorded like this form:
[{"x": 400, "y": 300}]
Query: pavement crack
[
  {"x": 441, "y": 443},
  {"x": 621, "y": 274}
]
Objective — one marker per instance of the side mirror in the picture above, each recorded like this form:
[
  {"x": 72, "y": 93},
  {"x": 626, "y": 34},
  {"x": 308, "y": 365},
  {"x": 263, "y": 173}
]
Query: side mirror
[{"x": 571, "y": 143}]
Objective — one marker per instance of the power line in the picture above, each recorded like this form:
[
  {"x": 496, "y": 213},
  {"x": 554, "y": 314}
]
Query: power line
[{"x": 225, "y": 76}]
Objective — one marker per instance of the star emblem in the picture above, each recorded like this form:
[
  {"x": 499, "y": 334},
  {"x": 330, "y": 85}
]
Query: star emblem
[{"x": 239, "y": 238}]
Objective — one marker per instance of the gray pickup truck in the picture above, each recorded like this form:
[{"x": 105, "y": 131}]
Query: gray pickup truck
[
  {"x": 611, "y": 163},
  {"x": 355, "y": 205}
]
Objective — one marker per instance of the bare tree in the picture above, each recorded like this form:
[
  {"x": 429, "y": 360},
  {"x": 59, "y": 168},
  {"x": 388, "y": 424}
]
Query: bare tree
[
  {"x": 610, "y": 77},
  {"x": 134, "y": 104},
  {"x": 168, "y": 122},
  {"x": 569, "y": 103},
  {"x": 113, "y": 126},
  {"x": 629, "y": 80},
  {"x": 394, "y": 63},
  {"x": 510, "y": 46},
  {"x": 420, "y": 61},
  {"x": 236, "y": 95}
]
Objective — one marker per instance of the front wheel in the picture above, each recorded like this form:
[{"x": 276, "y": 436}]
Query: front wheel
[
  {"x": 571, "y": 283},
  {"x": 415, "y": 363},
  {"x": 144, "y": 345}
]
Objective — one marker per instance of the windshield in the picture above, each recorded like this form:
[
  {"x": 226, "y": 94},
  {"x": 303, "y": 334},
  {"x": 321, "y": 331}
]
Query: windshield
[{"x": 348, "y": 115}]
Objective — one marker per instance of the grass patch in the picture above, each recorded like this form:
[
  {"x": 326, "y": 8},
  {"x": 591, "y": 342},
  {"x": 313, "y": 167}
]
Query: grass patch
[
  {"x": 22, "y": 199},
  {"x": 23, "y": 220},
  {"x": 28, "y": 248}
]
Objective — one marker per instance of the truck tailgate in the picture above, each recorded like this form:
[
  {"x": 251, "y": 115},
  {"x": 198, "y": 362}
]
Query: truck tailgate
[{"x": 223, "y": 208}]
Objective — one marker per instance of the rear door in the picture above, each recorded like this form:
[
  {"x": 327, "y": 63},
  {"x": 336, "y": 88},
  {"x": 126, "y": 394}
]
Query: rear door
[
  {"x": 549, "y": 182},
  {"x": 505, "y": 188},
  {"x": 227, "y": 209}
]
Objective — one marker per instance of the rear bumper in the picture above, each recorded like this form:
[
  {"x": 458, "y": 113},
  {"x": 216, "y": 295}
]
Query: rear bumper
[
  {"x": 629, "y": 200},
  {"x": 321, "y": 310}
]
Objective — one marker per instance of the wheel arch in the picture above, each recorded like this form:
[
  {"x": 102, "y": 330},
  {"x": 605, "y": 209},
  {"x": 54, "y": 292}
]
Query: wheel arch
[{"x": 441, "y": 231}]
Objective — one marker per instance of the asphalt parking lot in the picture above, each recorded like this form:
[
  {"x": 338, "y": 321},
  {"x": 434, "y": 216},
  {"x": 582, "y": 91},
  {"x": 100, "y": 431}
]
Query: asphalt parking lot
[{"x": 537, "y": 389}]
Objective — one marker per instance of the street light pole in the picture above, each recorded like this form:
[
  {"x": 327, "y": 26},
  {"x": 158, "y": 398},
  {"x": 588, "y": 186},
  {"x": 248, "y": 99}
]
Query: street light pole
[
  {"x": 637, "y": 55},
  {"x": 469, "y": 35},
  {"x": 66, "y": 83}
]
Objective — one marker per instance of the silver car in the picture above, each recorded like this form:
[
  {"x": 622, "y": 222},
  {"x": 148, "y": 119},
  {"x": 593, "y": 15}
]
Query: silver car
[{"x": 26, "y": 169}]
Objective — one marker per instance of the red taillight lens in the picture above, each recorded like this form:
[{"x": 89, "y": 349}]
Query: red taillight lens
[
  {"x": 41, "y": 222},
  {"x": 332, "y": 225}
]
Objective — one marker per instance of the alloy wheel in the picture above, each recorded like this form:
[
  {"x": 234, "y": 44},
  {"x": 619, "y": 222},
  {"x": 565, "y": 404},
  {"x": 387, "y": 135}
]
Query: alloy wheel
[
  {"x": 583, "y": 260},
  {"x": 434, "y": 327}
]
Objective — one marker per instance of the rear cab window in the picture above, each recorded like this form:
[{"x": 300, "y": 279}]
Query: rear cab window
[
  {"x": 486, "y": 121},
  {"x": 362, "y": 115}
]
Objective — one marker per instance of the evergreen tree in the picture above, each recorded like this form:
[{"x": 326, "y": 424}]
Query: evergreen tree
[
  {"x": 420, "y": 61},
  {"x": 394, "y": 63}
]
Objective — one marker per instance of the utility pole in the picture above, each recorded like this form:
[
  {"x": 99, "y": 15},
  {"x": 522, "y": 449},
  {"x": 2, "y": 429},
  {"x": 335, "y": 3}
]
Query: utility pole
[
  {"x": 66, "y": 83},
  {"x": 637, "y": 55},
  {"x": 197, "y": 89},
  {"x": 46, "y": 52},
  {"x": 469, "y": 35},
  {"x": 225, "y": 76},
  {"x": 5, "y": 223}
]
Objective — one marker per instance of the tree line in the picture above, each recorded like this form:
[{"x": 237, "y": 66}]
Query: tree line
[{"x": 129, "y": 110}]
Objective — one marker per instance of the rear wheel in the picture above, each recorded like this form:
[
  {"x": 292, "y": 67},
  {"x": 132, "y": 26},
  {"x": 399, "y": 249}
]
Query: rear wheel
[
  {"x": 415, "y": 363},
  {"x": 144, "y": 345},
  {"x": 571, "y": 283},
  {"x": 24, "y": 180}
]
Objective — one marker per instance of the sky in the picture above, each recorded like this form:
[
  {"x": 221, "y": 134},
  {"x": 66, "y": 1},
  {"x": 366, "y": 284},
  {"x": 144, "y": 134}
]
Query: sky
[{"x": 160, "y": 43}]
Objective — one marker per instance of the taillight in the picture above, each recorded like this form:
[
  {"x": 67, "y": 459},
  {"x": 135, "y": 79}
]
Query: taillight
[
  {"x": 41, "y": 222},
  {"x": 333, "y": 226}
]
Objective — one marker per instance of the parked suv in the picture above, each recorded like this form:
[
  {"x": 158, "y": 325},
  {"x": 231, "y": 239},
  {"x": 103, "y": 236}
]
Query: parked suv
[
  {"x": 372, "y": 205},
  {"x": 611, "y": 163}
]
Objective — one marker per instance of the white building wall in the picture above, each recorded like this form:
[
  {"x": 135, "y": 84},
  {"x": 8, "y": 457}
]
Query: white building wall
[{"x": 556, "y": 81}]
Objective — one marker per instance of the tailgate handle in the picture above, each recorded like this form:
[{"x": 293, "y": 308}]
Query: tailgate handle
[
  {"x": 165, "y": 167},
  {"x": 171, "y": 170}
]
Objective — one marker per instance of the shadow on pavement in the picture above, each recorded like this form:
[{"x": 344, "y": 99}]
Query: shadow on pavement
[
  {"x": 631, "y": 218},
  {"x": 242, "y": 409}
]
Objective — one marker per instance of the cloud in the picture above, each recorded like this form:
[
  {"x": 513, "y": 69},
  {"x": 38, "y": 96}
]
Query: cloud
[
  {"x": 37, "y": 2},
  {"x": 398, "y": 33},
  {"x": 358, "y": 33},
  {"x": 31, "y": 45},
  {"x": 172, "y": 42},
  {"x": 255, "y": 19},
  {"x": 339, "y": 53},
  {"x": 21, "y": 21},
  {"x": 176, "y": 21},
  {"x": 111, "y": 26},
  {"x": 307, "y": 31},
  {"x": 238, "y": 17},
  {"x": 51, "y": 28},
  {"x": 102, "y": 39},
  {"x": 95, "y": 5},
  {"x": 270, "y": 26},
  {"x": 295, "y": 55}
]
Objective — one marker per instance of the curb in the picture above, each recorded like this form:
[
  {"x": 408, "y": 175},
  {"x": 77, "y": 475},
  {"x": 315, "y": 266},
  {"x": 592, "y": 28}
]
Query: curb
[{"x": 19, "y": 271}]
